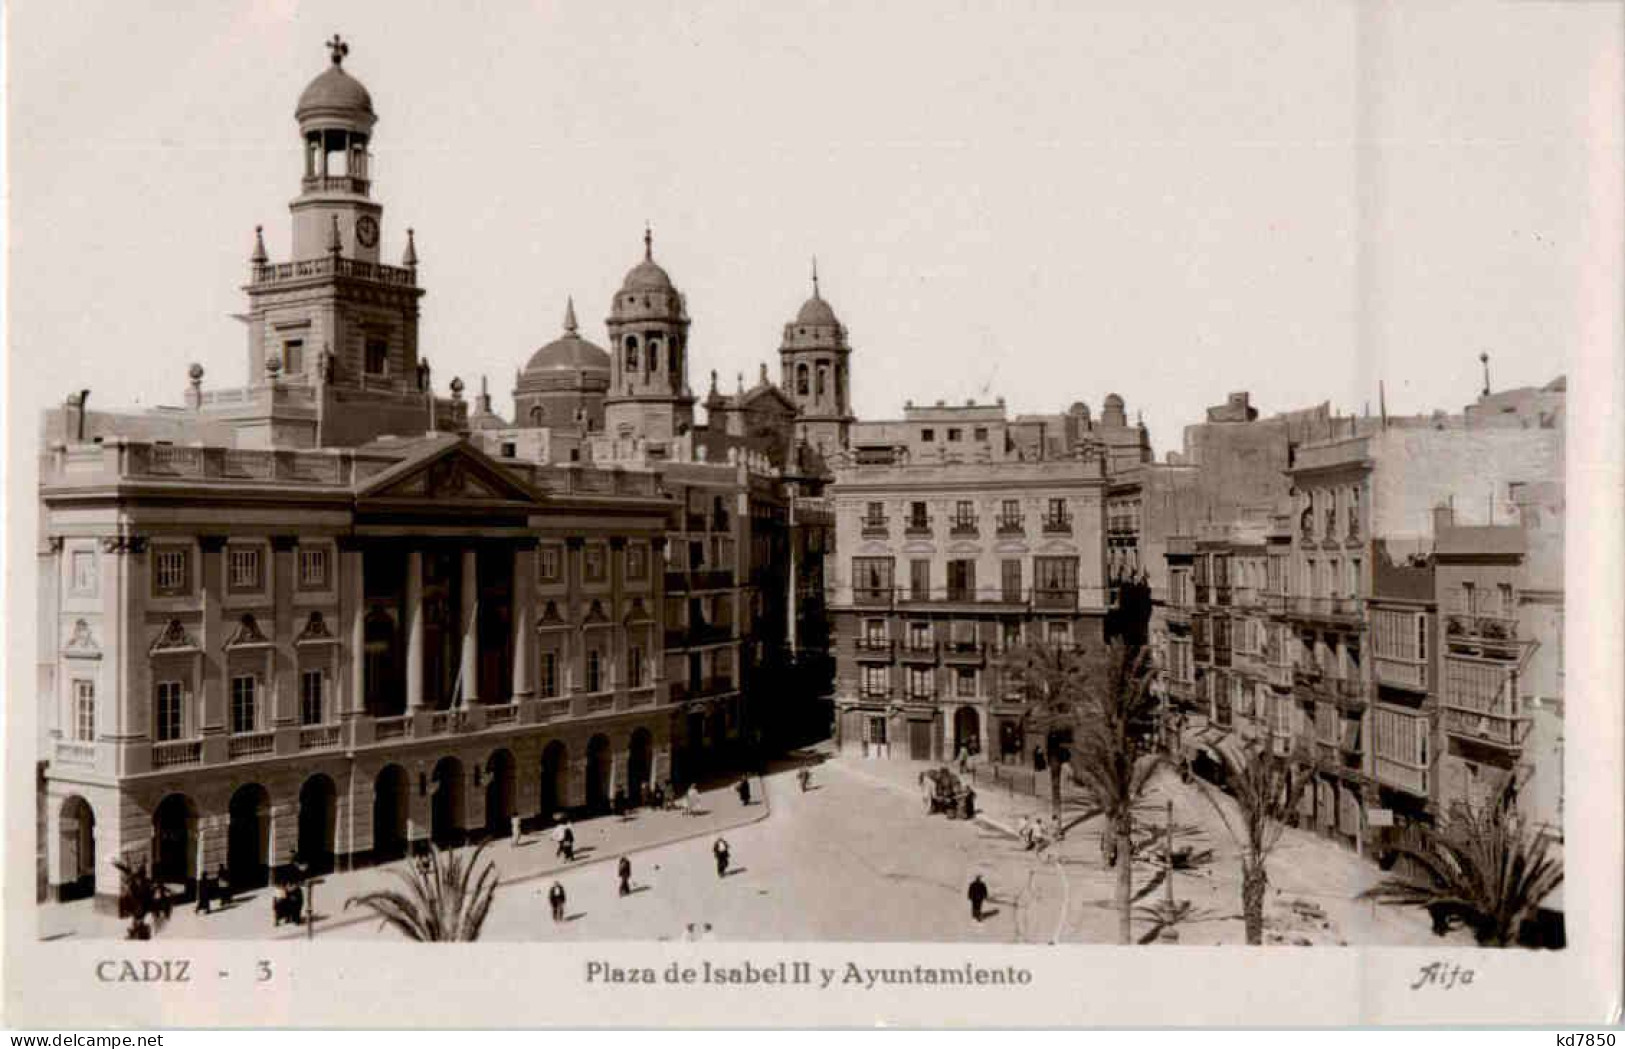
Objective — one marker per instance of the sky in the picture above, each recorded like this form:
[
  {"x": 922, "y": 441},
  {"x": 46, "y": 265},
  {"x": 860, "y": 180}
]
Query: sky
[{"x": 1041, "y": 201}]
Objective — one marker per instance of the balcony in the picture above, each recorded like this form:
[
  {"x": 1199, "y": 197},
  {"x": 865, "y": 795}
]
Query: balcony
[
  {"x": 1221, "y": 595},
  {"x": 712, "y": 579},
  {"x": 1201, "y": 653},
  {"x": 1412, "y": 779},
  {"x": 693, "y": 522},
  {"x": 917, "y": 526},
  {"x": 249, "y": 744},
  {"x": 1012, "y": 526},
  {"x": 874, "y": 647},
  {"x": 1499, "y": 730},
  {"x": 318, "y": 737},
  {"x": 1058, "y": 525},
  {"x": 1203, "y": 594},
  {"x": 1337, "y": 610},
  {"x": 964, "y": 653},
  {"x": 1347, "y": 693},
  {"x": 392, "y": 728},
  {"x": 1401, "y": 673},
  {"x": 1060, "y": 598},
  {"x": 74, "y": 752},
  {"x": 875, "y": 527},
  {"x": 333, "y": 265},
  {"x": 1221, "y": 656},
  {"x": 335, "y": 184},
  {"x": 177, "y": 752},
  {"x": 871, "y": 597},
  {"x": 1490, "y": 636},
  {"x": 917, "y": 650},
  {"x": 676, "y": 582},
  {"x": 501, "y": 714},
  {"x": 963, "y": 527}
]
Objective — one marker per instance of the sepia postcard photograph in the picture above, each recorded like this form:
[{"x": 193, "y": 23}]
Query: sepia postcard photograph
[{"x": 813, "y": 513}]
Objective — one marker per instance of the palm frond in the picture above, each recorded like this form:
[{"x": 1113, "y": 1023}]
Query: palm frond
[{"x": 445, "y": 897}]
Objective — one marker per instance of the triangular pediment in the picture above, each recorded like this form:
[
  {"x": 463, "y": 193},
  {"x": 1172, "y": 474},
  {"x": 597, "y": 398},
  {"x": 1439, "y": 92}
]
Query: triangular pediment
[{"x": 450, "y": 471}]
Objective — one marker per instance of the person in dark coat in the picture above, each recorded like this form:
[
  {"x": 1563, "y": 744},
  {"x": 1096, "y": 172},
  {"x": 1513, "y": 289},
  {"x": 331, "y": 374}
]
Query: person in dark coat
[
  {"x": 720, "y": 851},
  {"x": 744, "y": 791},
  {"x": 624, "y": 871},
  {"x": 555, "y": 899},
  {"x": 222, "y": 885},
  {"x": 205, "y": 892},
  {"x": 977, "y": 896},
  {"x": 1038, "y": 759},
  {"x": 970, "y": 803}
]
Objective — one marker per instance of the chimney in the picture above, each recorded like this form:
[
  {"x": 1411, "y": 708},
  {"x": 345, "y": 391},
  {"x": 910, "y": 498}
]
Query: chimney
[{"x": 1444, "y": 516}]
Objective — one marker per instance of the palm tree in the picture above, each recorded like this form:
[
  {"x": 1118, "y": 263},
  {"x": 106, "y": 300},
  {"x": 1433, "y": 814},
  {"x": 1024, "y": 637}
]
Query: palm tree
[
  {"x": 1266, "y": 791},
  {"x": 1050, "y": 678},
  {"x": 144, "y": 901},
  {"x": 1483, "y": 864},
  {"x": 1114, "y": 757},
  {"x": 443, "y": 900}
]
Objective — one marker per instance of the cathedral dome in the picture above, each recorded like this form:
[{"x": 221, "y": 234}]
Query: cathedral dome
[
  {"x": 335, "y": 98},
  {"x": 568, "y": 353},
  {"x": 647, "y": 276}
]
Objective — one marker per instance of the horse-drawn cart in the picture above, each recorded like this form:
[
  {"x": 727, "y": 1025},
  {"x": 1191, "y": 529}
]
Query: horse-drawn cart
[{"x": 942, "y": 791}]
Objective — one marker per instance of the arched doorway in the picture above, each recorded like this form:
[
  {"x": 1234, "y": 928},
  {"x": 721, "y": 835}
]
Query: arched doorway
[
  {"x": 555, "y": 759},
  {"x": 76, "y": 864},
  {"x": 318, "y": 815},
  {"x": 638, "y": 756},
  {"x": 967, "y": 731},
  {"x": 247, "y": 850},
  {"x": 446, "y": 806},
  {"x": 174, "y": 830},
  {"x": 389, "y": 813},
  {"x": 499, "y": 794},
  {"x": 598, "y": 762}
]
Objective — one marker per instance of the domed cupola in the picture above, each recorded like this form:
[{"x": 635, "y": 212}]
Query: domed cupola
[
  {"x": 564, "y": 382},
  {"x": 648, "y": 332},
  {"x": 335, "y": 99},
  {"x": 336, "y": 119}
]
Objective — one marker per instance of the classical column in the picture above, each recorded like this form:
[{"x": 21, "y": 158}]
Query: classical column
[
  {"x": 353, "y": 611},
  {"x": 471, "y": 620},
  {"x": 212, "y": 589},
  {"x": 414, "y": 630},
  {"x": 524, "y": 631}
]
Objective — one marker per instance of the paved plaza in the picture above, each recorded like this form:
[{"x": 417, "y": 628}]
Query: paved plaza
[{"x": 856, "y": 859}]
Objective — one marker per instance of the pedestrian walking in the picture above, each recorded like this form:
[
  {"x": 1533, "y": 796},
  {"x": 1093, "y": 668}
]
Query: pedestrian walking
[
  {"x": 744, "y": 790},
  {"x": 624, "y": 871},
  {"x": 555, "y": 899},
  {"x": 970, "y": 802},
  {"x": 804, "y": 777},
  {"x": 720, "y": 851},
  {"x": 691, "y": 801},
  {"x": 569, "y": 841},
  {"x": 222, "y": 886},
  {"x": 558, "y": 839},
  {"x": 964, "y": 761},
  {"x": 978, "y": 896},
  {"x": 516, "y": 831},
  {"x": 205, "y": 892}
]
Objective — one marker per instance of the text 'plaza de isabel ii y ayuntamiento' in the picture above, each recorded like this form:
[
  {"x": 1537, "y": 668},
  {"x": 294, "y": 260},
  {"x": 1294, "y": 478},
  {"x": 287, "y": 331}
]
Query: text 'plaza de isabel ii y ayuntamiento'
[{"x": 331, "y": 613}]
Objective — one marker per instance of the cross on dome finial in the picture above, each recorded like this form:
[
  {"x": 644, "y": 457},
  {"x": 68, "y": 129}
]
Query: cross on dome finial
[
  {"x": 338, "y": 48},
  {"x": 815, "y": 276},
  {"x": 648, "y": 243}
]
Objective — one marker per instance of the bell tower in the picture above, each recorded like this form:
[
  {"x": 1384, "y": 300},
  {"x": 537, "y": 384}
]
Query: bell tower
[
  {"x": 333, "y": 332},
  {"x": 648, "y": 347},
  {"x": 814, "y": 358}
]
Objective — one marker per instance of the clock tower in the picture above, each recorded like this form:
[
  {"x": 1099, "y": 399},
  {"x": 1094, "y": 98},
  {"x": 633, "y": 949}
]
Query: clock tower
[{"x": 333, "y": 332}]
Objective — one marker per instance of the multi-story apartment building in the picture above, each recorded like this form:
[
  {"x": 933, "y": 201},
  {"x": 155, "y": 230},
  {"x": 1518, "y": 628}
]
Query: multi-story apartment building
[{"x": 952, "y": 550}]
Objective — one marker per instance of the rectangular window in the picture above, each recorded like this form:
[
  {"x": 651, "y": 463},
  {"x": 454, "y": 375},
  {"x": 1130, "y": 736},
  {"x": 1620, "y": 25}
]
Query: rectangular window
[
  {"x": 509, "y": 449},
  {"x": 637, "y": 561},
  {"x": 377, "y": 356},
  {"x": 547, "y": 563},
  {"x": 84, "y": 572},
  {"x": 84, "y": 710},
  {"x": 874, "y": 730},
  {"x": 1055, "y": 575},
  {"x": 981, "y": 433},
  {"x": 1010, "y": 578},
  {"x": 872, "y": 578},
  {"x": 634, "y": 667},
  {"x": 168, "y": 715},
  {"x": 919, "y": 683},
  {"x": 171, "y": 571},
  {"x": 964, "y": 514},
  {"x": 919, "y": 636},
  {"x": 592, "y": 563},
  {"x": 919, "y": 580},
  {"x": 243, "y": 568},
  {"x": 917, "y": 517},
  {"x": 928, "y": 435},
  {"x": 874, "y": 629},
  {"x": 955, "y": 433},
  {"x": 874, "y": 515},
  {"x": 243, "y": 712},
  {"x": 310, "y": 698},
  {"x": 313, "y": 568},
  {"x": 962, "y": 580},
  {"x": 875, "y": 685},
  {"x": 550, "y": 673},
  {"x": 293, "y": 356},
  {"x": 1508, "y": 605},
  {"x": 965, "y": 682},
  {"x": 1058, "y": 634},
  {"x": 595, "y": 671},
  {"x": 1354, "y": 577}
]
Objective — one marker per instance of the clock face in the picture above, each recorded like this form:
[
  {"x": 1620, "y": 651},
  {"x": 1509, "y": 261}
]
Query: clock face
[{"x": 366, "y": 231}]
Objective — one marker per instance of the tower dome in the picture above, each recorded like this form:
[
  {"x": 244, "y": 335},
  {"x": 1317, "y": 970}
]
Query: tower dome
[
  {"x": 564, "y": 382},
  {"x": 569, "y": 352},
  {"x": 335, "y": 99},
  {"x": 816, "y": 311}
]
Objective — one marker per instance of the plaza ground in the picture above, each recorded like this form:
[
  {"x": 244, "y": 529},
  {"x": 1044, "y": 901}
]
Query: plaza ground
[{"x": 857, "y": 859}]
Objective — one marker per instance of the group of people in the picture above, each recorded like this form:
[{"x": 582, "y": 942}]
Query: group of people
[
  {"x": 1038, "y": 833},
  {"x": 212, "y": 889}
]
